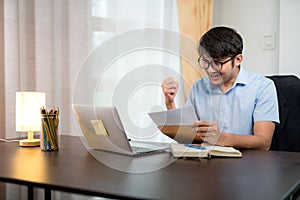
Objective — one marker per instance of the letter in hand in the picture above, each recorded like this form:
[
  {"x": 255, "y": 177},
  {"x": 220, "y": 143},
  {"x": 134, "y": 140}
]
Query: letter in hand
[
  {"x": 208, "y": 131},
  {"x": 170, "y": 88}
]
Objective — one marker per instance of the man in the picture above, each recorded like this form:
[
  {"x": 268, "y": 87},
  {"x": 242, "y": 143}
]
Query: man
[{"x": 234, "y": 107}]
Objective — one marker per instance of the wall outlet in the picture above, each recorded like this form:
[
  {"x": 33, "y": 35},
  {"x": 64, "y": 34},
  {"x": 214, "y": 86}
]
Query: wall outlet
[{"x": 268, "y": 42}]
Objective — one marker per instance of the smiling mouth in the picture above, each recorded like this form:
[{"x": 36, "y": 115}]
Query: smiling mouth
[{"x": 215, "y": 75}]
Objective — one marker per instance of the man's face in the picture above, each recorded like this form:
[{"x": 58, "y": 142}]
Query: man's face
[{"x": 221, "y": 71}]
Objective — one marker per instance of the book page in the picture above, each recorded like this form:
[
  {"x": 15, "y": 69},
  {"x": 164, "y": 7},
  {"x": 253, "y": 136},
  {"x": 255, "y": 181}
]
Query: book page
[
  {"x": 187, "y": 150},
  {"x": 215, "y": 150},
  {"x": 203, "y": 150}
]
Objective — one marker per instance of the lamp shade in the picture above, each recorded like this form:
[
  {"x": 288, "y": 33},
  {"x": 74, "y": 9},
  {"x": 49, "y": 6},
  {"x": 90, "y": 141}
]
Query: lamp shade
[{"x": 28, "y": 106}]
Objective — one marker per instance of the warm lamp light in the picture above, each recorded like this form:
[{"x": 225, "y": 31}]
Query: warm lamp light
[{"x": 28, "y": 118}]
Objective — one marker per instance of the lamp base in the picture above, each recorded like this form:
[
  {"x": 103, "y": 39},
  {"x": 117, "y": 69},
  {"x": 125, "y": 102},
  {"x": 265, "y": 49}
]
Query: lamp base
[{"x": 29, "y": 143}]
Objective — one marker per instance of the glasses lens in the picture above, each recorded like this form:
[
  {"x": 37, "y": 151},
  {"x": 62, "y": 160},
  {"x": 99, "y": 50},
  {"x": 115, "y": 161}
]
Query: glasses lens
[
  {"x": 203, "y": 63},
  {"x": 217, "y": 65}
]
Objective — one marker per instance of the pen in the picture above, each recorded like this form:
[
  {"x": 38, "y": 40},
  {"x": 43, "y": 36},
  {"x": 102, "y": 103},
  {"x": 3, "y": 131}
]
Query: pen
[{"x": 195, "y": 146}]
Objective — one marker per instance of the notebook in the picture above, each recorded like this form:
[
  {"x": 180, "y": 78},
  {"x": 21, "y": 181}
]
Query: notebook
[
  {"x": 204, "y": 150},
  {"x": 103, "y": 130}
]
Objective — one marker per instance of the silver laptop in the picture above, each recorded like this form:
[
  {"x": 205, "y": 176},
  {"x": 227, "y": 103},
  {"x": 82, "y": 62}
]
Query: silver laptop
[{"x": 103, "y": 130}]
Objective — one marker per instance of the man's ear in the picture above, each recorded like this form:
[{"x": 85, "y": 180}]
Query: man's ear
[{"x": 238, "y": 59}]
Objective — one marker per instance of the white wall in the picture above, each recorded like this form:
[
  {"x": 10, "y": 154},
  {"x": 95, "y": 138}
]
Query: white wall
[
  {"x": 253, "y": 19},
  {"x": 289, "y": 52}
]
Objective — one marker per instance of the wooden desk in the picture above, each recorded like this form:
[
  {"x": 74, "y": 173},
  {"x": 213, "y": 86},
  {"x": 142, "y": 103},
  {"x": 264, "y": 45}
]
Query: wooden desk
[{"x": 258, "y": 175}]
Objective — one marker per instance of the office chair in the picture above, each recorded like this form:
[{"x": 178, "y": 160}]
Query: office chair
[{"x": 287, "y": 134}]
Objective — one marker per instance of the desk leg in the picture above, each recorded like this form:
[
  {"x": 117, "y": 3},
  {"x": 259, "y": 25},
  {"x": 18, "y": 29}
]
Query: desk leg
[
  {"x": 47, "y": 194},
  {"x": 30, "y": 192},
  {"x": 2, "y": 190}
]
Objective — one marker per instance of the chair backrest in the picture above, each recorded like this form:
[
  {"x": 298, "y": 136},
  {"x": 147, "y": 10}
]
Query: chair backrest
[{"x": 287, "y": 134}]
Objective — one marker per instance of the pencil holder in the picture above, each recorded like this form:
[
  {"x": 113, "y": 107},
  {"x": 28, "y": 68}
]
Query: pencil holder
[{"x": 49, "y": 132}]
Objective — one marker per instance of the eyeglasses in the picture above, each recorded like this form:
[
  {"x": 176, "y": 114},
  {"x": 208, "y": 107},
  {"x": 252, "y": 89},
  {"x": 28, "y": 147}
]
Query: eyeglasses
[{"x": 216, "y": 65}]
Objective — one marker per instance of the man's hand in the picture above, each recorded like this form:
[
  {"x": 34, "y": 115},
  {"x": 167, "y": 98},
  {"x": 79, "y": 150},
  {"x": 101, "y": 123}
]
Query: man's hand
[
  {"x": 170, "y": 88},
  {"x": 261, "y": 138},
  {"x": 208, "y": 131}
]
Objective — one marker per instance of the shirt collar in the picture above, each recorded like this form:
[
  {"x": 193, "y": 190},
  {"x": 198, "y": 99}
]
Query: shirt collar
[{"x": 241, "y": 78}]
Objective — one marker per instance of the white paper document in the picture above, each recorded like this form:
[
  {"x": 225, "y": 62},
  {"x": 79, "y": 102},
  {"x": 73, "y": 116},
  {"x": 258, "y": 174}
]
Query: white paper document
[{"x": 180, "y": 116}]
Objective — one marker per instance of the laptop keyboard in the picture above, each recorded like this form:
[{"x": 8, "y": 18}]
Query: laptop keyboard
[
  {"x": 141, "y": 147},
  {"x": 137, "y": 149}
]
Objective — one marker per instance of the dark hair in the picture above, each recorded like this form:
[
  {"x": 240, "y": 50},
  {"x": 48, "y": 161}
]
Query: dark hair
[{"x": 221, "y": 42}]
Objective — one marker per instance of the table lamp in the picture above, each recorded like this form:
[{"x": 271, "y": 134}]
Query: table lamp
[{"x": 28, "y": 118}]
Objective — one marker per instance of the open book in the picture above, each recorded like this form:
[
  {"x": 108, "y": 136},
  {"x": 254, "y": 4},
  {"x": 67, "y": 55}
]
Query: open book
[{"x": 203, "y": 151}]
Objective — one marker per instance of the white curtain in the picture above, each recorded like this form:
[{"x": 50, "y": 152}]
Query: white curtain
[
  {"x": 47, "y": 42},
  {"x": 44, "y": 44}
]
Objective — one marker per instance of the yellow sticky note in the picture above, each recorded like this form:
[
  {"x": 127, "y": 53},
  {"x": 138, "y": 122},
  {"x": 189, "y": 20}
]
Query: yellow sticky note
[{"x": 99, "y": 127}]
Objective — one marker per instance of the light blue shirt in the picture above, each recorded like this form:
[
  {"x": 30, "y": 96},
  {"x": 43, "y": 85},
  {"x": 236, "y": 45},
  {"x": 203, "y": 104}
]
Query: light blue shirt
[{"x": 252, "y": 98}]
